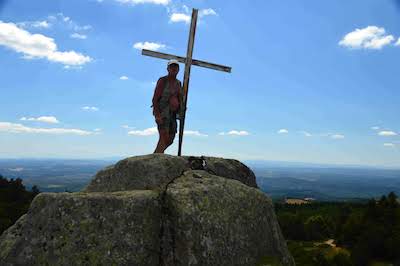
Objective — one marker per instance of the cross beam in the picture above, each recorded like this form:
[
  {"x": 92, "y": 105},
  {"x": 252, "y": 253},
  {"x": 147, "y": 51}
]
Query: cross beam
[
  {"x": 188, "y": 61},
  {"x": 183, "y": 60}
]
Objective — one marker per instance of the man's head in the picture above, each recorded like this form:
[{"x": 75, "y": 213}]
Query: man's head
[{"x": 173, "y": 67}]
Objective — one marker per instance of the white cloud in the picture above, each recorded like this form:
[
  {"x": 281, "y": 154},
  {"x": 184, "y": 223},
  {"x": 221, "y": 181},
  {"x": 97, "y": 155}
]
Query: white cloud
[
  {"x": 60, "y": 18},
  {"x": 123, "y": 78},
  {"x": 180, "y": 17},
  {"x": 77, "y": 27},
  {"x": 72, "y": 67},
  {"x": 146, "y": 132},
  {"x": 44, "y": 119},
  {"x": 34, "y": 46},
  {"x": 78, "y": 36},
  {"x": 149, "y": 46},
  {"x": 97, "y": 131},
  {"x": 90, "y": 108},
  {"x": 371, "y": 37},
  {"x": 135, "y": 2},
  {"x": 65, "y": 19},
  {"x": 322, "y": 135},
  {"x": 306, "y": 134},
  {"x": 41, "y": 24},
  {"x": 186, "y": 17},
  {"x": 283, "y": 131},
  {"x": 375, "y": 128},
  {"x": 207, "y": 12},
  {"x": 194, "y": 133},
  {"x": 398, "y": 42},
  {"x": 387, "y": 133},
  {"x": 35, "y": 24},
  {"x": 18, "y": 128},
  {"x": 379, "y": 43},
  {"x": 235, "y": 132},
  {"x": 388, "y": 144},
  {"x": 127, "y": 127},
  {"x": 186, "y": 8}
]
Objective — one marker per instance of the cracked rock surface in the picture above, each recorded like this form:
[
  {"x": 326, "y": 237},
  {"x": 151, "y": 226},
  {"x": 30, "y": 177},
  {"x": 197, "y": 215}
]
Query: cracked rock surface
[{"x": 152, "y": 210}]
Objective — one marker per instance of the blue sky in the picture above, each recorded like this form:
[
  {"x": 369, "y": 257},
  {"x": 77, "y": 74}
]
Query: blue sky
[{"x": 312, "y": 81}]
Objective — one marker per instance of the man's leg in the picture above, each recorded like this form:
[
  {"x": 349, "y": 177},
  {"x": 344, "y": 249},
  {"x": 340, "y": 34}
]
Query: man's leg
[
  {"x": 171, "y": 138},
  {"x": 172, "y": 131},
  {"x": 162, "y": 141}
]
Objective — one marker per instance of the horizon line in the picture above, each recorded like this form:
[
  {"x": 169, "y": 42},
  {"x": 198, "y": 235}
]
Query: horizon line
[{"x": 303, "y": 163}]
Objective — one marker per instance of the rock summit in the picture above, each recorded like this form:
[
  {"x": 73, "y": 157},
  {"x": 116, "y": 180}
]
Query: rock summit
[{"x": 154, "y": 209}]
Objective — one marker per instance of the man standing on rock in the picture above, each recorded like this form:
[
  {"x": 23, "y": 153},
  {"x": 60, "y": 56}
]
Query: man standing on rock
[{"x": 166, "y": 105}]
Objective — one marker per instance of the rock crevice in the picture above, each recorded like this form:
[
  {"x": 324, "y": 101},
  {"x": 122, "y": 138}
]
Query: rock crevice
[{"x": 165, "y": 228}]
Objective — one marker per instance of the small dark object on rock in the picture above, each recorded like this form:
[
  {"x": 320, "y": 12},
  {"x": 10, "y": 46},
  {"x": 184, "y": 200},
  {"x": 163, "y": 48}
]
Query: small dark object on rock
[{"x": 197, "y": 163}]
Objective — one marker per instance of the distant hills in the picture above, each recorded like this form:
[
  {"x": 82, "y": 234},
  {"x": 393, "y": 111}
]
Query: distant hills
[
  {"x": 325, "y": 183},
  {"x": 52, "y": 175},
  {"x": 278, "y": 179}
]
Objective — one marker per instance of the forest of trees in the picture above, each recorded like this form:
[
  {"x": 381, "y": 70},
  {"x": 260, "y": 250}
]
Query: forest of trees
[
  {"x": 14, "y": 201},
  {"x": 370, "y": 231}
]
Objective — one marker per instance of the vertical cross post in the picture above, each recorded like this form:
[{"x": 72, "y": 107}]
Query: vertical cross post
[{"x": 188, "y": 64}]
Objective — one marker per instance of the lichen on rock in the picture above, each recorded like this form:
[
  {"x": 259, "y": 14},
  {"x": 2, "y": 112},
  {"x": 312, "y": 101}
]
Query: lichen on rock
[{"x": 85, "y": 229}]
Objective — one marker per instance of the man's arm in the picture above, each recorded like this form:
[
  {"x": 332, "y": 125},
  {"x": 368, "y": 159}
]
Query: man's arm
[{"x": 157, "y": 95}]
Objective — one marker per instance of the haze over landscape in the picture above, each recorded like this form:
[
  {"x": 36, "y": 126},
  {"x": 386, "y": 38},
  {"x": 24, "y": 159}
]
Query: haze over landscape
[{"x": 277, "y": 179}]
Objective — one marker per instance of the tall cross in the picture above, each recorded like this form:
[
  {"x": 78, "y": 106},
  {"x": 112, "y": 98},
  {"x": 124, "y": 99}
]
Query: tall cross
[{"x": 188, "y": 61}]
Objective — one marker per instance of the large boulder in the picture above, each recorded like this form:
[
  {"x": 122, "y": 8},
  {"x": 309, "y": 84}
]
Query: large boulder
[
  {"x": 152, "y": 210},
  {"x": 140, "y": 172},
  {"x": 229, "y": 168},
  {"x": 120, "y": 228},
  {"x": 155, "y": 171},
  {"x": 211, "y": 220}
]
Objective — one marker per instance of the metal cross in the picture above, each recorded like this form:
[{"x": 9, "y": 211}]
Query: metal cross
[{"x": 188, "y": 61}]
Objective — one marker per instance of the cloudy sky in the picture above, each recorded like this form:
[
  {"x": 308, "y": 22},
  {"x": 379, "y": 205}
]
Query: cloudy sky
[{"x": 312, "y": 81}]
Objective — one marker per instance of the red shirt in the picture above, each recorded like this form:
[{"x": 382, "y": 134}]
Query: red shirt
[{"x": 174, "y": 92}]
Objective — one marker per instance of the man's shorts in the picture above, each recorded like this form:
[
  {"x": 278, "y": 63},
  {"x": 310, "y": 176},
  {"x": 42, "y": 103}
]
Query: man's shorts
[{"x": 169, "y": 123}]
